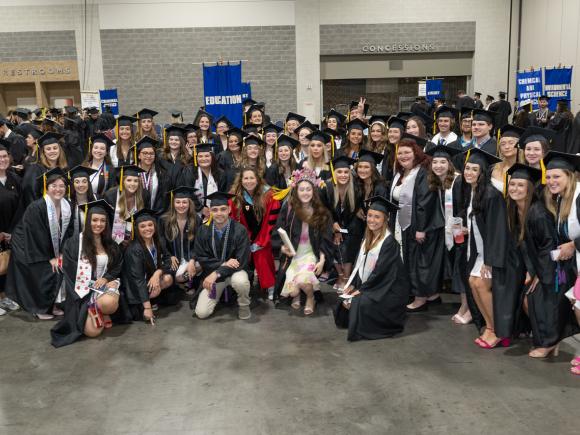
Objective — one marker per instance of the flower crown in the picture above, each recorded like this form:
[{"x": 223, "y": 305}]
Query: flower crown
[{"x": 305, "y": 174}]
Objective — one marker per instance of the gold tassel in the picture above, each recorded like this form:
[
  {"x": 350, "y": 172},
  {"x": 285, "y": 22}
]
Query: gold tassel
[
  {"x": 332, "y": 145},
  {"x": 208, "y": 223},
  {"x": 276, "y": 148},
  {"x": 44, "y": 185},
  {"x": 467, "y": 156},
  {"x": 332, "y": 173},
  {"x": 195, "y": 155},
  {"x": 505, "y": 183},
  {"x": 434, "y": 123},
  {"x": 135, "y": 153},
  {"x": 285, "y": 129},
  {"x": 69, "y": 183},
  {"x": 121, "y": 181},
  {"x": 497, "y": 144},
  {"x": 117, "y": 129},
  {"x": 280, "y": 194},
  {"x": 132, "y": 227},
  {"x": 543, "y": 168},
  {"x": 171, "y": 198},
  {"x": 164, "y": 137},
  {"x": 86, "y": 213}
]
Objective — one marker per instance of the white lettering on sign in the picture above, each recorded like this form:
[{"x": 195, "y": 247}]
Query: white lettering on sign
[
  {"x": 399, "y": 48},
  {"x": 223, "y": 99}
]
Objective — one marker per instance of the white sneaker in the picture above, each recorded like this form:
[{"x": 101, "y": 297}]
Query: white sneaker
[
  {"x": 244, "y": 312},
  {"x": 9, "y": 305},
  {"x": 271, "y": 293},
  {"x": 2, "y": 312}
]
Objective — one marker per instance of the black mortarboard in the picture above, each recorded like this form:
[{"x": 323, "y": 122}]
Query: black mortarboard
[
  {"x": 337, "y": 115},
  {"x": 225, "y": 120},
  {"x": 125, "y": 121},
  {"x": 235, "y": 131},
  {"x": 404, "y": 115},
  {"x": 49, "y": 138},
  {"x": 446, "y": 112},
  {"x": 258, "y": 106},
  {"x": 55, "y": 112},
  {"x": 130, "y": 170},
  {"x": 354, "y": 104},
  {"x": 490, "y": 97},
  {"x": 29, "y": 129},
  {"x": 418, "y": 140},
  {"x": 272, "y": 128},
  {"x": 558, "y": 160},
  {"x": 443, "y": 151},
  {"x": 477, "y": 94},
  {"x": 219, "y": 198},
  {"x": 175, "y": 130},
  {"x": 319, "y": 136},
  {"x": 145, "y": 114},
  {"x": 38, "y": 112},
  {"x": 5, "y": 143},
  {"x": 343, "y": 162},
  {"x": 370, "y": 157},
  {"x": 502, "y": 94},
  {"x": 484, "y": 115},
  {"x": 142, "y": 215},
  {"x": 71, "y": 110},
  {"x": 201, "y": 113},
  {"x": 253, "y": 139},
  {"x": 22, "y": 112},
  {"x": 249, "y": 101},
  {"x": 526, "y": 107},
  {"x": 147, "y": 142},
  {"x": 176, "y": 113},
  {"x": 381, "y": 119},
  {"x": 306, "y": 124},
  {"x": 563, "y": 102},
  {"x": 536, "y": 134},
  {"x": 380, "y": 203},
  {"x": 252, "y": 128},
  {"x": 100, "y": 206},
  {"x": 204, "y": 148},
  {"x": 521, "y": 171},
  {"x": 466, "y": 112},
  {"x": 93, "y": 110},
  {"x": 190, "y": 128},
  {"x": 295, "y": 117},
  {"x": 182, "y": 192},
  {"x": 285, "y": 140},
  {"x": 395, "y": 122},
  {"x": 356, "y": 124},
  {"x": 481, "y": 158},
  {"x": 81, "y": 171},
  {"x": 103, "y": 138},
  {"x": 511, "y": 131},
  {"x": 53, "y": 175}
]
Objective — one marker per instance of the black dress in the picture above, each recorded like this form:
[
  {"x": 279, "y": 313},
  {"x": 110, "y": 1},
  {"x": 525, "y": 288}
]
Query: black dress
[
  {"x": 274, "y": 178},
  {"x": 188, "y": 177},
  {"x": 72, "y": 326},
  {"x": 11, "y": 209},
  {"x": 31, "y": 186},
  {"x": 229, "y": 168},
  {"x": 31, "y": 281},
  {"x": 380, "y": 309}
]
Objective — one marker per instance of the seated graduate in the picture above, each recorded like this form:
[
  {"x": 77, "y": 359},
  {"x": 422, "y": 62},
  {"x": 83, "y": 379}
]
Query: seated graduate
[
  {"x": 283, "y": 164},
  {"x": 33, "y": 279},
  {"x": 147, "y": 275},
  {"x": 177, "y": 230},
  {"x": 222, "y": 248},
  {"x": 91, "y": 264},
  {"x": 378, "y": 285},
  {"x": 308, "y": 225}
]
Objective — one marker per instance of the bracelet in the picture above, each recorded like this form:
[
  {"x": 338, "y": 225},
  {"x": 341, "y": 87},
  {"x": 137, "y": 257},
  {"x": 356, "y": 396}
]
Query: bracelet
[{"x": 147, "y": 308}]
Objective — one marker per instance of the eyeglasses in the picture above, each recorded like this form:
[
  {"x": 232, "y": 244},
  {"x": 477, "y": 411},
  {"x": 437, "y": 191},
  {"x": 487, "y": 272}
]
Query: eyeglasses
[{"x": 147, "y": 154}]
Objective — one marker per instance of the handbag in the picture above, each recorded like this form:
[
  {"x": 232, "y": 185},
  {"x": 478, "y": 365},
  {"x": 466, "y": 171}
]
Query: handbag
[{"x": 4, "y": 260}]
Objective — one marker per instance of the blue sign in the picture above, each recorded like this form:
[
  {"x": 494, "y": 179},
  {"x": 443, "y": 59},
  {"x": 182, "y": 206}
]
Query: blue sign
[
  {"x": 109, "y": 99},
  {"x": 558, "y": 85},
  {"x": 223, "y": 89},
  {"x": 434, "y": 89},
  {"x": 246, "y": 90},
  {"x": 529, "y": 87}
]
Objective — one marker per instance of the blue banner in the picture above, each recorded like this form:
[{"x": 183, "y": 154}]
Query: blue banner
[
  {"x": 222, "y": 89},
  {"x": 529, "y": 87},
  {"x": 109, "y": 99},
  {"x": 246, "y": 90},
  {"x": 557, "y": 85},
  {"x": 434, "y": 89}
]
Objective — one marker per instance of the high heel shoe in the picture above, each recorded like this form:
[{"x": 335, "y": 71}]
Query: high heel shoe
[
  {"x": 500, "y": 342},
  {"x": 309, "y": 307},
  {"x": 544, "y": 352},
  {"x": 575, "y": 362},
  {"x": 296, "y": 302}
]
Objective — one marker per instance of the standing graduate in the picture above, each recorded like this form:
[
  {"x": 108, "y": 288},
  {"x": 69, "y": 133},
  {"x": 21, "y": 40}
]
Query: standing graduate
[
  {"x": 146, "y": 125},
  {"x": 230, "y": 160},
  {"x": 335, "y": 121},
  {"x": 253, "y": 153},
  {"x": 80, "y": 194},
  {"x": 173, "y": 152},
  {"x": 378, "y": 284},
  {"x": 535, "y": 143},
  {"x": 397, "y": 127},
  {"x": 222, "y": 125},
  {"x": 378, "y": 138},
  {"x": 482, "y": 131},
  {"x": 355, "y": 140},
  {"x": 293, "y": 120},
  {"x": 270, "y": 134},
  {"x": 34, "y": 270},
  {"x": 445, "y": 120},
  {"x": 508, "y": 152},
  {"x": 154, "y": 179},
  {"x": 278, "y": 175},
  {"x": 318, "y": 157},
  {"x": 91, "y": 265},
  {"x": 146, "y": 277},
  {"x": 104, "y": 175},
  {"x": 120, "y": 153},
  {"x": 301, "y": 132},
  {"x": 204, "y": 121}
]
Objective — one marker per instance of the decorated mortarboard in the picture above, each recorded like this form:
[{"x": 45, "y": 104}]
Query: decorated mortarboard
[
  {"x": 395, "y": 122},
  {"x": 223, "y": 119},
  {"x": 336, "y": 115},
  {"x": 481, "y": 158},
  {"x": 370, "y": 157},
  {"x": 380, "y": 203},
  {"x": 356, "y": 124},
  {"x": 238, "y": 132},
  {"x": 126, "y": 121},
  {"x": 145, "y": 114},
  {"x": 380, "y": 119},
  {"x": 526, "y": 106},
  {"x": 175, "y": 130},
  {"x": 182, "y": 192},
  {"x": 49, "y": 138},
  {"x": 102, "y": 138},
  {"x": 219, "y": 198},
  {"x": 319, "y": 136},
  {"x": 306, "y": 124},
  {"x": 80, "y": 171},
  {"x": 511, "y": 131},
  {"x": 418, "y": 140},
  {"x": 343, "y": 162},
  {"x": 443, "y": 151},
  {"x": 253, "y": 139},
  {"x": 524, "y": 172},
  {"x": 484, "y": 115},
  {"x": 354, "y": 104},
  {"x": 285, "y": 140},
  {"x": 446, "y": 112},
  {"x": 559, "y": 160},
  {"x": 295, "y": 117},
  {"x": 272, "y": 128},
  {"x": 142, "y": 215}
]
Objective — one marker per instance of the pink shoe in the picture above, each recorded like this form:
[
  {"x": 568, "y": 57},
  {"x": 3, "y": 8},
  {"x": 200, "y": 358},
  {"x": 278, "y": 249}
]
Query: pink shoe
[
  {"x": 501, "y": 342},
  {"x": 575, "y": 370},
  {"x": 575, "y": 362},
  {"x": 44, "y": 316}
]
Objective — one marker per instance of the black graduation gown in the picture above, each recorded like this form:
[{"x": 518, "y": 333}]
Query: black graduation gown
[
  {"x": 75, "y": 147},
  {"x": 188, "y": 177},
  {"x": 274, "y": 178},
  {"x": 489, "y": 146},
  {"x": 504, "y": 110},
  {"x": 11, "y": 207},
  {"x": 321, "y": 242},
  {"x": 161, "y": 201},
  {"x": 31, "y": 282},
  {"x": 18, "y": 148},
  {"x": 459, "y": 280},
  {"x": 228, "y": 167},
  {"x": 72, "y": 326},
  {"x": 107, "y": 179},
  {"x": 181, "y": 247},
  {"x": 501, "y": 253},
  {"x": 380, "y": 309},
  {"x": 31, "y": 186}
]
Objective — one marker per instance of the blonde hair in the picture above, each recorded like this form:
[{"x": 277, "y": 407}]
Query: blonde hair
[
  {"x": 170, "y": 227},
  {"x": 261, "y": 161},
  {"x": 370, "y": 240},
  {"x": 378, "y": 147},
  {"x": 61, "y": 163},
  {"x": 139, "y": 202},
  {"x": 322, "y": 164},
  {"x": 349, "y": 196},
  {"x": 567, "y": 197}
]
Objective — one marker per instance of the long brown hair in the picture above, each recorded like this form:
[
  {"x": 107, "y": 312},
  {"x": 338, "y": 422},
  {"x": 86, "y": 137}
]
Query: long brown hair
[
  {"x": 170, "y": 227},
  {"x": 152, "y": 134},
  {"x": 89, "y": 245},
  {"x": 348, "y": 144},
  {"x": 377, "y": 147},
  {"x": 420, "y": 125},
  {"x": 119, "y": 145},
  {"x": 320, "y": 217},
  {"x": 61, "y": 163},
  {"x": 435, "y": 182},
  {"x": 513, "y": 215},
  {"x": 156, "y": 242},
  {"x": 257, "y": 196},
  {"x": 166, "y": 151},
  {"x": 370, "y": 240},
  {"x": 139, "y": 201},
  {"x": 551, "y": 201},
  {"x": 261, "y": 163}
]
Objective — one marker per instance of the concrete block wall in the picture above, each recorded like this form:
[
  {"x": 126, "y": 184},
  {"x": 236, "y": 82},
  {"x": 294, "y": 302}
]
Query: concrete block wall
[
  {"x": 153, "y": 67},
  {"x": 42, "y": 45}
]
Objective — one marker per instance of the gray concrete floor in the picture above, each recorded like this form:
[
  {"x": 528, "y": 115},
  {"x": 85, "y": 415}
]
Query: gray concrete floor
[{"x": 279, "y": 373}]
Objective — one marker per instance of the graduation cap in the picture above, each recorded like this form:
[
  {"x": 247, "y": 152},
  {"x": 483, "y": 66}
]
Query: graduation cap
[
  {"x": 340, "y": 118},
  {"x": 70, "y": 110},
  {"x": 466, "y": 112},
  {"x": 190, "y": 128},
  {"x": 490, "y": 97},
  {"x": 100, "y": 206},
  {"x": 252, "y": 128},
  {"x": 354, "y": 104},
  {"x": 395, "y": 122},
  {"x": 146, "y": 142},
  {"x": 526, "y": 106},
  {"x": 50, "y": 122},
  {"x": 176, "y": 113},
  {"x": 126, "y": 121},
  {"x": 319, "y": 136},
  {"x": 443, "y": 151},
  {"x": 255, "y": 107},
  {"x": 175, "y": 130},
  {"x": 484, "y": 115},
  {"x": 49, "y": 138},
  {"x": 525, "y": 172},
  {"x": 306, "y": 124},
  {"x": 418, "y": 140},
  {"x": 219, "y": 198},
  {"x": 405, "y": 115},
  {"x": 204, "y": 148},
  {"x": 272, "y": 128},
  {"x": 29, "y": 129},
  {"x": 51, "y": 176},
  {"x": 143, "y": 215},
  {"x": 285, "y": 140},
  {"x": 235, "y": 131},
  {"x": 22, "y": 112},
  {"x": 559, "y": 160},
  {"x": 145, "y": 114},
  {"x": 380, "y": 119},
  {"x": 481, "y": 158},
  {"x": 5, "y": 143},
  {"x": 380, "y": 203},
  {"x": 356, "y": 124},
  {"x": 370, "y": 157},
  {"x": 81, "y": 171},
  {"x": 102, "y": 138},
  {"x": 223, "y": 119},
  {"x": 93, "y": 110},
  {"x": 248, "y": 102},
  {"x": 129, "y": 171},
  {"x": 511, "y": 131},
  {"x": 184, "y": 192},
  {"x": 502, "y": 94},
  {"x": 343, "y": 162},
  {"x": 55, "y": 112},
  {"x": 253, "y": 139},
  {"x": 536, "y": 134},
  {"x": 446, "y": 112},
  {"x": 477, "y": 94},
  {"x": 39, "y": 112},
  {"x": 295, "y": 117}
]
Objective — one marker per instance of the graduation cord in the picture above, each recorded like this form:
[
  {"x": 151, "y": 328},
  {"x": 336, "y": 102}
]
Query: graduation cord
[
  {"x": 225, "y": 238},
  {"x": 565, "y": 230}
]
